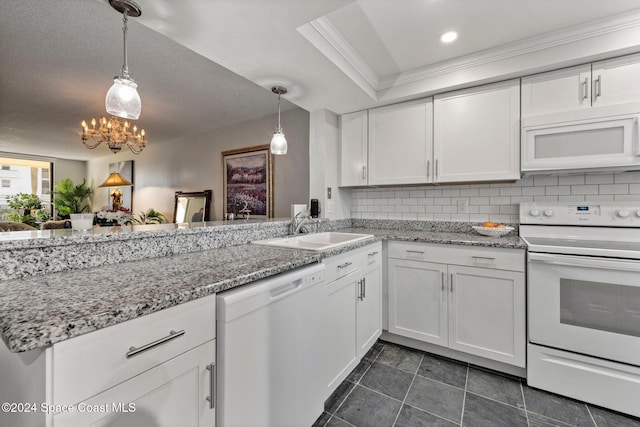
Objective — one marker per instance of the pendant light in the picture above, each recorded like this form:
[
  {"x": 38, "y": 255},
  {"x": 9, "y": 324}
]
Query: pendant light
[
  {"x": 122, "y": 99},
  {"x": 279, "y": 142}
]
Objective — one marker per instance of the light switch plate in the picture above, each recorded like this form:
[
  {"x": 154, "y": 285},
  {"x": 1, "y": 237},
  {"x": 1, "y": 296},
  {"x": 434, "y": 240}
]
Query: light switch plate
[{"x": 330, "y": 206}]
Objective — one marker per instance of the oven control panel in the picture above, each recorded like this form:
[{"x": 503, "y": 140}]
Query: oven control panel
[{"x": 610, "y": 214}]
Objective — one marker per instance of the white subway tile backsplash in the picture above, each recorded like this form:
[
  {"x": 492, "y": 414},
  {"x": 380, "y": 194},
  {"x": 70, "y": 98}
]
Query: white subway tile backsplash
[
  {"x": 613, "y": 189},
  {"x": 627, "y": 178},
  {"x": 599, "y": 179},
  {"x": 558, "y": 190},
  {"x": 468, "y": 192},
  {"x": 534, "y": 191},
  {"x": 488, "y": 191},
  {"x": 584, "y": 189},
  {"x": 571, "y": 180},
  {"x": 479, "y": 201},
  {"x": 498, "y": 202},
  {"x": 545, "y": 180},
  {"x": 510, "y": 191},
  {"x": 441, "y": 201}
]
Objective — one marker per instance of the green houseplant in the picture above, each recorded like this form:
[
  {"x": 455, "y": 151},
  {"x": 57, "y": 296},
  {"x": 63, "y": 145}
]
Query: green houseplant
[
  {"x": 70, "y": 198},
  {"x": 151, "y": 216},
  {"x": 26, "y": 208}
]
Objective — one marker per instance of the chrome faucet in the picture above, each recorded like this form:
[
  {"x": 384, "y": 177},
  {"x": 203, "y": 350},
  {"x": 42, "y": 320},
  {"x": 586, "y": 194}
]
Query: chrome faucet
[{"x": 296, "y": 226}]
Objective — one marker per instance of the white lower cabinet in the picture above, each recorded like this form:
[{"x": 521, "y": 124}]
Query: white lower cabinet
[
  {"x": 157, "y": 370},
  {"x": 354, "y": 299},
  {"x": 174, "y": 393},
  {"x": 471, "y": 299}
]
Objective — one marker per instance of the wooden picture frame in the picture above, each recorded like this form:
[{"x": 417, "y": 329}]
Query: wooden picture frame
[{"x": 248, "y": 182}]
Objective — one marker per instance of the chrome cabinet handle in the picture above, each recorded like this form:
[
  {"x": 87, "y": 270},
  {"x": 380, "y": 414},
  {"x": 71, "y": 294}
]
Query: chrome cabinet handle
[
  {"x": 597, "y": 86},
  {"x": 428, "y": 164},
  {"x": 133, "y": 351},
  {"x": 442, "y": 281},
  {"x": 374, "y": 253},
  {"x": 212, "y": 385},
  {"x": 364, "y": 287},
  {"x": 451, "y": 280},
  {"x": 412, "y": 251},
  {"x": 585, "y": 88},
  {"x": 364, "y": 172},
  {"x": 483, "y": 259},
  {"x": 360, "y": 297},
  {"x": 436, "y": 170},
  {"x": 345, "y": 265}
]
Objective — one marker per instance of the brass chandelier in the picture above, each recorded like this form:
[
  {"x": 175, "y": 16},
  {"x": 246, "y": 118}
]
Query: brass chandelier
[{"x": 115, "y": 133}]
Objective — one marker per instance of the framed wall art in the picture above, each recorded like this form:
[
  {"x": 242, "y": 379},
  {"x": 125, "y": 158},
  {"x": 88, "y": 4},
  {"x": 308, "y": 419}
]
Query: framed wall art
[{"x": 248, "y": 182}]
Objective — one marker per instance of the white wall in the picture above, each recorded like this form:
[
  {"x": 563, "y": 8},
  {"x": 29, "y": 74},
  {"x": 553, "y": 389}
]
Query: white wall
[
  {"x": 194, "y": 163},
  {"x": 491, "y": 202},
  {"x": 324, "y": 152}
]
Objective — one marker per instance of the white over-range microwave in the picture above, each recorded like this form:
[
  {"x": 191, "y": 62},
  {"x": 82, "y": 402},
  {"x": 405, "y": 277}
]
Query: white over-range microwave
[{"x": 595, "y": 139}]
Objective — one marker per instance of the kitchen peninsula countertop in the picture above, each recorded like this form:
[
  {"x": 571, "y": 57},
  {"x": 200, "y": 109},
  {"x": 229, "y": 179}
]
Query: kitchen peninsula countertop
[{"x": 41, "y": 310}]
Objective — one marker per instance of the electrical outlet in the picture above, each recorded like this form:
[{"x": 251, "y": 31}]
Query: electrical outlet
[
  {"x": 330, "y": 206},
  {"x": 463, "y": 206}
]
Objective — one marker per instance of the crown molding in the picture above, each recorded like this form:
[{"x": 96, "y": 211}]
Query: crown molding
[
  {"x": 334, "y": 46},
  {"x": 325, "y": 37},
  {"x": 527, "y": 46}
]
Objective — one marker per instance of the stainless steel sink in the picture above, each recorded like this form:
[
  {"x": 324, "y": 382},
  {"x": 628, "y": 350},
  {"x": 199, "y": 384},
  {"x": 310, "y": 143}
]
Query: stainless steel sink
[{"x": 315, "y": 241}]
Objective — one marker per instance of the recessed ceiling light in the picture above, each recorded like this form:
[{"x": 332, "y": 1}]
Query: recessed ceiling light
[{"x": 448, "y": 37}]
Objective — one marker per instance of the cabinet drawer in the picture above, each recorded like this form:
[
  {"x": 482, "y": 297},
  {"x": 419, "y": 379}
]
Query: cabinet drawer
[
  {"x": 340, "y": 265},
  {"x": 91, "y": 363},
  {"x": 473, "y": 256}
]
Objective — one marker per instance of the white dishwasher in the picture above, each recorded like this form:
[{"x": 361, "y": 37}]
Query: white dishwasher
[{"x": 271, "y": 341}]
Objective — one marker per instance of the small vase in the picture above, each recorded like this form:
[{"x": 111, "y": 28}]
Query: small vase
[{"x": 82, "y": 222}]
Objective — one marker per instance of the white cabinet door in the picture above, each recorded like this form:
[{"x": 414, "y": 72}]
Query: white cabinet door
[
  {"x": 342, "y": 352},
  {"x": 171, "y": 394},
  {"x": 353, "y": 146},
  {"x": 369, "y": 294},
  {"x": 477, "y": 134},
  {"x": 400, "y": 143},
  {"x": 417, "y": 300},
  {"x": 487, "y": 313},
  {"x": 556, "y": 91},
  {"x": 616, "y": 81}
]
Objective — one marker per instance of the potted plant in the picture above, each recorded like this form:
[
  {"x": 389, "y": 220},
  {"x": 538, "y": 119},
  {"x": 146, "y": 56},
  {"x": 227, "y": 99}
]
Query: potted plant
[
  {"x": 70, "y": 198},
  {"x": 151, "y": 216},
  {"x": 26, "y": 208}
]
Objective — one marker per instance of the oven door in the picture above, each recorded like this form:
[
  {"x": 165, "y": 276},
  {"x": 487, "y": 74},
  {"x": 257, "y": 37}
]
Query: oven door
[{"x": 585, "y": 304}]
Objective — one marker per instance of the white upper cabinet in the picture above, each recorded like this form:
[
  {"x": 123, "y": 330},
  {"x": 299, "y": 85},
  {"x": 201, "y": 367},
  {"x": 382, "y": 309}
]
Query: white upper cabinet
[
  {"x": 353, "y": 160},
  {"x": 477, "y": 134},
  {"x": 400, "y": 143},
  {"x": 616, "y": 81},
  {"x": 610, "y": 82},
  {"x": 562, "y": 90}
]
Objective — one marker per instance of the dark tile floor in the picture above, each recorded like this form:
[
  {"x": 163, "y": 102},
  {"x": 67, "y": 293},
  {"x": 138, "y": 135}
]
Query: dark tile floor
[{"x": 397, "y": 386}]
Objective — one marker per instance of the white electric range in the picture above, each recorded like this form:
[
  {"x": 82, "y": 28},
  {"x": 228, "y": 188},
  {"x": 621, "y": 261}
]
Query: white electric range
[{"x": 583, "y": 280}]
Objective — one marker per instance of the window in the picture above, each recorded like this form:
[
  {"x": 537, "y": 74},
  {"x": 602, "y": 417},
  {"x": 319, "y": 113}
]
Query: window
[{"x": 24, "y": 176}]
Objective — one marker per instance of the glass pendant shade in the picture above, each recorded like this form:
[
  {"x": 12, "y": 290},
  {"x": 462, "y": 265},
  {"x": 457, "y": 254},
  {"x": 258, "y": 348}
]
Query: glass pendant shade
[
  {"x": 279, "y": 143},
  {"x": 122, "y": 99}
]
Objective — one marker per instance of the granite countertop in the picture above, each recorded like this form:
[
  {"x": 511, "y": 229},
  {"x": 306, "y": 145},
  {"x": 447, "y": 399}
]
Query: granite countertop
[
  {"x": 41, "y": 310},
  {"x": 510, "y": 241}
]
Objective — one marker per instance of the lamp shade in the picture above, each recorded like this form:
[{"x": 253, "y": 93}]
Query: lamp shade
[
  {"x": 278, "y": 143},
  {"x": 115, "y": 180},
  {"x": 122, "y": 99}
]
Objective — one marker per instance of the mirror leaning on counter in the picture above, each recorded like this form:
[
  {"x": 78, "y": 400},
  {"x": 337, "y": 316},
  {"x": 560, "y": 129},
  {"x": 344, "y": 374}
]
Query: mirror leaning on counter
[{"x": 192, "y": 206}]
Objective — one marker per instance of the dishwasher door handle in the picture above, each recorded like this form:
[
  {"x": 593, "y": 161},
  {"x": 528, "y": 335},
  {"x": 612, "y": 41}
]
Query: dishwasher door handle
[{"x": 280, "y": 291}]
